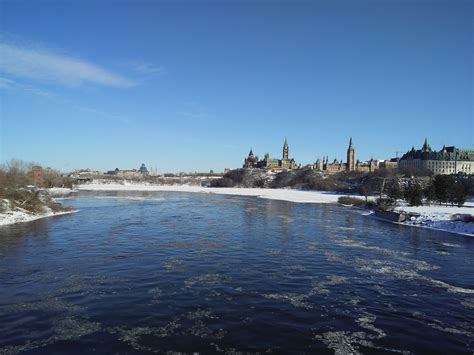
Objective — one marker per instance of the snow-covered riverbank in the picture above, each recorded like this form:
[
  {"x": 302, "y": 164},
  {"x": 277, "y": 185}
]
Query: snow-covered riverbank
[
  {"x": 22, "y": 216},
  {"x": 441, "y": 217},
  {"x": 12, "y": 211}
]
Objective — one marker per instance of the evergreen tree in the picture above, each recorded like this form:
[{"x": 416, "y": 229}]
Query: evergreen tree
[
  {"x": 457, "y": 194},
  {"x": 394, "y": 193},
  {"x": 414, "y": 195},
  {"x": 441, "y": 186}
]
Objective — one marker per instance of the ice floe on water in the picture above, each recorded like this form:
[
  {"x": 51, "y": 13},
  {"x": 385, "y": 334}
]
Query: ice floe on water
[
  {"x": 350, "y": 343},
  {"x": 448, "y": 287},
  {"x": 173, "y": 263},
  {"x": 469, "y": 303},
  {"x": 156, "y": 294},
  {"x": 344, "y": 342},
  {"x": 296, "y": 300},
  {"x": 200, "y": 330},
  {"x": 201, "y": 313},
  {"x": 302, "y": 300},
  {"x": 205, "y": 280},
  {"x": 323, "y": 287},
  {"x": 452, "y": 245},
  {"x": 133, "y": 336},
  {"x": 367, "y": 320}
]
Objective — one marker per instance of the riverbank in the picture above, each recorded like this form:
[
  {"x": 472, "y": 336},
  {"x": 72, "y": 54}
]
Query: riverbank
[
  {"x": 449, "y": 218},
  {"x": 29, "y": 204},
  {"x": 23, "y": 216}
]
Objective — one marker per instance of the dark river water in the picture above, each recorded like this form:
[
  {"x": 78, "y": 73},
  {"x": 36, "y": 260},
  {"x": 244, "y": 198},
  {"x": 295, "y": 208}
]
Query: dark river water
[{"x": 183, "y": 272}]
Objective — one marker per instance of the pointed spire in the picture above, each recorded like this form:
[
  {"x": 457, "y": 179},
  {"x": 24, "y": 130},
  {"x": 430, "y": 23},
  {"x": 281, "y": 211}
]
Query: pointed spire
[
  {"x": 426, "y": 146},
  {"x": 251, "y": 152}
]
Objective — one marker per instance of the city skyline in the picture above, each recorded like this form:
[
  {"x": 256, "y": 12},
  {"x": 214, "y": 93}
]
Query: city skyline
[{"x": 192, "y": 86}]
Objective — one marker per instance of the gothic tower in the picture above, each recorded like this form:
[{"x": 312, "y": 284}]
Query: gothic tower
[
  {"x": 426, "y": 146},
  {"x": 350, "y": 157},
  {"x": 285, "y": 150}
]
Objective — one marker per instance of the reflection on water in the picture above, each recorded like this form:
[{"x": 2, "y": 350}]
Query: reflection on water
[{"x": 157, "y": 272}]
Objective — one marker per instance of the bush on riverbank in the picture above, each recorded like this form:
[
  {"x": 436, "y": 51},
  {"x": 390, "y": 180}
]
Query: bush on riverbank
[
  {"x": 351, "y": 201},
  {"x": 17, "y": 190},
  {"x": 28, "y": 199},
  {"x": 242, "y": 178}
]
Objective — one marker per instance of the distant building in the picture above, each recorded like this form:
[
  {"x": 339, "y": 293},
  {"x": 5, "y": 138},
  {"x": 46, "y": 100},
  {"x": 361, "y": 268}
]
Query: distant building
[
  {"x": 449, "y": 160},
  {"x": 251, "y": 161},
  {"x": 391, "y": 164},
  {"x": 351, "y": 164},
  {"x": 130, "y": 174},
  {"x": 37, "y": 175},
  {"x": 285, "y": 163},
  {"x": 143, "y": 170}
]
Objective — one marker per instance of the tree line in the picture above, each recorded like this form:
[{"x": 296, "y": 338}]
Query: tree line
[{"x": 442, "y": 189}]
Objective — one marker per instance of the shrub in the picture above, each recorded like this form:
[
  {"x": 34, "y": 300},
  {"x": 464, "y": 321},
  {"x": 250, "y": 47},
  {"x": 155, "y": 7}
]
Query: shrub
[
  {"x": 223, "y": 182},
  {"x": 353, "y": 201}
]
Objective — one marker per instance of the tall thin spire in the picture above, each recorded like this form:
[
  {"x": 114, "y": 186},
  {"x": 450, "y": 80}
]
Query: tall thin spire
[
  {"x": 350, "y": 166},
  {"x": 426, "y": 146},
  {"x": 285, "y": 150}
]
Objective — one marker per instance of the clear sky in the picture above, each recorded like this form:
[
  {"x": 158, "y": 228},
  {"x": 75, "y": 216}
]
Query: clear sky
[{"x": 192, "y": 85}]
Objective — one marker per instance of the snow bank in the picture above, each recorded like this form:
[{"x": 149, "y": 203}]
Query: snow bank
[
  {"x": 55, "y": 191},
  {"x": 22, "y": 216},
  {"x": 440, "y": 217}
]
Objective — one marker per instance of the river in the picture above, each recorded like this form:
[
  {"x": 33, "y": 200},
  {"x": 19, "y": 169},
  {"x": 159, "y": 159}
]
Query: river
[{"x": 148, "y": 272}]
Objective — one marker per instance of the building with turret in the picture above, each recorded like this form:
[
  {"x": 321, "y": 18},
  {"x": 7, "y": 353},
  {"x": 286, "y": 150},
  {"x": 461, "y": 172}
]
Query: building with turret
[
  {"x": 285, "y": 163},
  {"x": 251, "y": 161},
  {"x": 449, "y": 160},
  {"x": 351, "y": 164},
  {"x": 143, "y": 170}
]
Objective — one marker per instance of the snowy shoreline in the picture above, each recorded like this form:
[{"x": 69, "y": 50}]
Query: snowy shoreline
[{"x": 13, "y": 217}]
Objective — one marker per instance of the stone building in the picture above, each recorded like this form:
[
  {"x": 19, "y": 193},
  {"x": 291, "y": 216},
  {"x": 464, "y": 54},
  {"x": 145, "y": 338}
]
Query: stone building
[
  {"x": 390, "y": 164},
  {"x": 130, "y": 174},
  {"x": 449, "y": 160},
  {"x": 351, "y": 163},
  {"x": 251, "y": 161},
  {"x": 285, "y": 163}
]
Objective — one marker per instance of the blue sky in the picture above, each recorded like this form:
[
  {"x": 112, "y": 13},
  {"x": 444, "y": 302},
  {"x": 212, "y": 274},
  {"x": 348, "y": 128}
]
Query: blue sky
[{"x": 192, "y": 85}]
